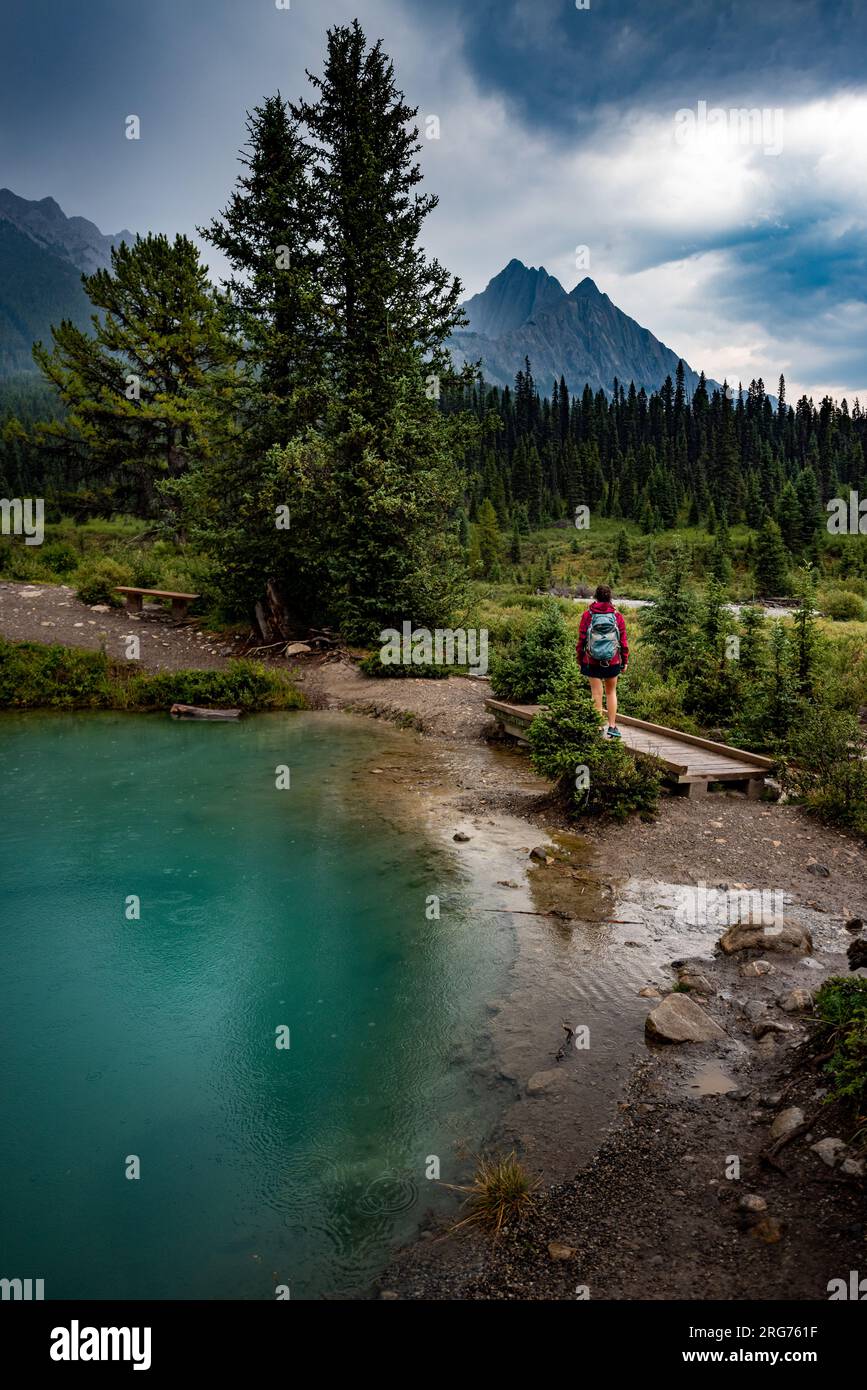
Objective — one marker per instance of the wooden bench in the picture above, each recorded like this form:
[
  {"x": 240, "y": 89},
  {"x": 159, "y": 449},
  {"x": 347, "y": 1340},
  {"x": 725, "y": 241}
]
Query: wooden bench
[{"x": 134, "y": 597}]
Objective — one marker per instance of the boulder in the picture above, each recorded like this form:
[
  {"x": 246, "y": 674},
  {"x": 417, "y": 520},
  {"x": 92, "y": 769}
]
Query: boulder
[
  {"x": 787, "y": 1121},
  {"x": 749, "y": 936},
  {"x": 795, "y": 1000},
  {"x": 298, "y": 649},
  {"x": 680, "y": 1019},
  {"x": 828, "y": 1150}
]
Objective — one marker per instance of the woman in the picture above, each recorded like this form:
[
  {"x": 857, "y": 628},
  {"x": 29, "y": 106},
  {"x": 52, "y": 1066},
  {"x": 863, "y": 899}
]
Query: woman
[{"x": 603, "y": 653}]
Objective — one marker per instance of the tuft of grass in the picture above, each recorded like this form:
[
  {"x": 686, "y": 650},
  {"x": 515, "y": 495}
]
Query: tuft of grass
[{"x": 500, "y": 1193}]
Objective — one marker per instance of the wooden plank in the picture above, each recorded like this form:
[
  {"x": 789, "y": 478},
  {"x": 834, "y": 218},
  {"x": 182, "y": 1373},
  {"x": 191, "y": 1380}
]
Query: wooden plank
[
  {"x": 742, "y": 753},
  {"x": 154, "y": 593},
  {"x": 711, "y": 762}
]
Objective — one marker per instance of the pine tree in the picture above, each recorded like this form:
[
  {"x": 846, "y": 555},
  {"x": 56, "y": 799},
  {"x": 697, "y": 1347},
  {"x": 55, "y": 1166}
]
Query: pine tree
[
  {"x": 270, "y": 232},
  {"x": 141, "y": 390},
  {"x": 771, "y": 563},
  {"x": 389, "y": 308},
  {"x": 489, "y": 538}
]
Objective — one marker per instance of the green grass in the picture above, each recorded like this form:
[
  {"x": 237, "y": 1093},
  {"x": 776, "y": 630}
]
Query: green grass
[
  {"x": 841, "y": 1038},
  {"x": 54, "y": 677}
]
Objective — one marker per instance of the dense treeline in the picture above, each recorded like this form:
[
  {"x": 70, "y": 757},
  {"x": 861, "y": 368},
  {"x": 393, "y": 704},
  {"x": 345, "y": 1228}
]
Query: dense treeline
[{"x": 661, "y": 459}]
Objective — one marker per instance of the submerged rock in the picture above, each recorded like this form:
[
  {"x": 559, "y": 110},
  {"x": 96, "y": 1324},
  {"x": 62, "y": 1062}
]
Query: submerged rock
[
  {"x": 680, "y": 1019},
  {"x": 542, "y": 1081}
]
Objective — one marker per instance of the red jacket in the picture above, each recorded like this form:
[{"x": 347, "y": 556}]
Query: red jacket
[{"x": 585, "y": 628}]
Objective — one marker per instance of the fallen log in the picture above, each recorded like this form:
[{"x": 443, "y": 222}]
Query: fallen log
[{"x": 200, "y": 712}]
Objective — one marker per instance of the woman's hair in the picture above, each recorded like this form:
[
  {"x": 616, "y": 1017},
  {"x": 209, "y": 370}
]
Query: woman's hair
[{"x": 603, "y": 593}]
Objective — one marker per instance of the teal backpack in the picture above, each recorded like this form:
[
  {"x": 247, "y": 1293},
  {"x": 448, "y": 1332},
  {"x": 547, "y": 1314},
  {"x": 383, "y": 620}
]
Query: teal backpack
[{"x": 603, "y": 639}]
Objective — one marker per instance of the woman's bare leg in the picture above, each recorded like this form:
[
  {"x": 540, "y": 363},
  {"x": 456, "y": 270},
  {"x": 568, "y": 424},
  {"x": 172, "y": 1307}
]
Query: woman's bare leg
[
  {"x": 611, "y": 700},
  {"x": 596, "y": 692}
]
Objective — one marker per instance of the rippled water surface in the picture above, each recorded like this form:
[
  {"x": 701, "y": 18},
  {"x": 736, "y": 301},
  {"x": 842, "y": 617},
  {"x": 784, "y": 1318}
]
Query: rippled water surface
[{"x": 303, "y": 908}]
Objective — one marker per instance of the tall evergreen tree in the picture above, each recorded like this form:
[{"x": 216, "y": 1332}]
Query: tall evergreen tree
[
  {"x": 271, "y": 232},
  {"x": 389, "y": 308}
]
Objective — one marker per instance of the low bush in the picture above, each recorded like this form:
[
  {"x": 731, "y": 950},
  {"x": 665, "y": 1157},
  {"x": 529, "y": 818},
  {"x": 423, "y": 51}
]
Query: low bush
[
  {"x": 841, "y": 1007},
  {"x": 55, "y": 677},
  {"x": 36, "y": 677},
  {"x": 244, "y": 684},
  {"x": 843, "y": 605},
  {"x": 95, "y": 580},
  {"x": 59, "y": 558},
  {"x": 826, "y": 765}
]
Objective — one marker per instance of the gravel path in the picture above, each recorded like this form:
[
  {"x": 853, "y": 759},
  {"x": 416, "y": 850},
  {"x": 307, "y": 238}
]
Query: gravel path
[{"x": 52, "y": 613}]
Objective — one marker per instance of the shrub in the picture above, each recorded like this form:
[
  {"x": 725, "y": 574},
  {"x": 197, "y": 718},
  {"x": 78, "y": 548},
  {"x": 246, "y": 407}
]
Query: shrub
[
  {"x": 146, "y": 571},
  {"x": 245, "y": 685},
  {"x": 592, "y": 775},
  {"x": 95, "y": 580},
  {"x": 826, "y": 767},
  {"x": 843, "y": 606},
  {"x": 55, "y": 677},
  {"x": 841, "y": 1006},
  {"x": 59, "y": 557},
  {"x": 543, "y": 655},
  {"x": 32, "y": 677}
]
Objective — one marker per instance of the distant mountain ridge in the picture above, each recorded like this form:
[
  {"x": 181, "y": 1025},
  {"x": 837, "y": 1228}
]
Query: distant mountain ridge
[
  {"x": 43, "y": 254},
  {"x": 581, "y": 336},
  {"x": 72, "y": 239}
]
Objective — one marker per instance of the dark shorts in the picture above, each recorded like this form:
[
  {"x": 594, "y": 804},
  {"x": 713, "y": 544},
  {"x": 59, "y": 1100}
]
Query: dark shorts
[{"x": 602, "y": 673}]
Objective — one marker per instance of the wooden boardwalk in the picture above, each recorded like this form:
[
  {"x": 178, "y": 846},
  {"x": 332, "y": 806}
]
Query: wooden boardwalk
[{"x": 692, "y": 762}]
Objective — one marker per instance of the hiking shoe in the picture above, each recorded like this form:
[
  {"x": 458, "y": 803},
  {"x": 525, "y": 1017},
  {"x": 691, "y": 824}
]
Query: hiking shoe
[{"x": 613, "y": 733}]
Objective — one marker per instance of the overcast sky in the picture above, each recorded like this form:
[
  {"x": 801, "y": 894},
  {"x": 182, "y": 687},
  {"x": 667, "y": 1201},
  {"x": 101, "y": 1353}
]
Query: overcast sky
[{"x": 743, "y": 250}]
